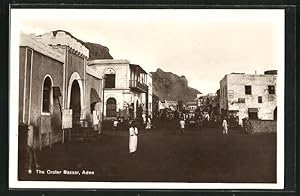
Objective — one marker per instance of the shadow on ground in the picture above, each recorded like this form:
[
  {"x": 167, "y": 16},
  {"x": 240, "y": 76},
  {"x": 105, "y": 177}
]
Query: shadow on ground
[{"x": 163, "y": 156}]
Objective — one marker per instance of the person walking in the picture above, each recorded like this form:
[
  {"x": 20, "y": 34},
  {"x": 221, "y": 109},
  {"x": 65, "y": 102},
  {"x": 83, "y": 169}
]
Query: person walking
[
  {"x": 144, "y": 119},
  {"x": 182, "y": 125},
  {"x": 133, "y": 139},
  {"x": 31, "y": 151},
  {"x": 148, "y": 124},
  {"x": 115, "y": 124},
  {"x": 225, "y": 126}
]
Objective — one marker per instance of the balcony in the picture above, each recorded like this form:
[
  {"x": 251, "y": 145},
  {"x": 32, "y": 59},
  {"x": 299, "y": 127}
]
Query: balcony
[{"x": 136, "y": 85}]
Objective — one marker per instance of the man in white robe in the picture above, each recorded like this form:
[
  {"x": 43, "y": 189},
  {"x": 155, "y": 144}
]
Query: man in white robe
[
  {"x": 148, "y": 124},
  {"x": 133, "y": 132},
  {"x": 225, "y": 126}
]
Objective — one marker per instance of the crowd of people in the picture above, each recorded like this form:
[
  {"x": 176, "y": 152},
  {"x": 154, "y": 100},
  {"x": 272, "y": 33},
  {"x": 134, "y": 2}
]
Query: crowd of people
[{"x": 167, "y": 119}]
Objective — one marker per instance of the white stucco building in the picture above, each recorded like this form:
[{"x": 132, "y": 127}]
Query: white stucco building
[
  {"x": 252, "y": 96},
  {"x": 150, "y": 93},
  {"x": 126, "y": 88}
]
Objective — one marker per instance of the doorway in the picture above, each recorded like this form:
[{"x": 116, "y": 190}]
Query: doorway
[
  {"x": 75, "y": 104},
  {"x": 111, "y": 108},
  {"x": 275, "y": 114}
]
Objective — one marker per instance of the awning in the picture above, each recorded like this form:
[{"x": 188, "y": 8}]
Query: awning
[
  {"x": 94, "y": 96},
  {"x": 252, "y": 109}
]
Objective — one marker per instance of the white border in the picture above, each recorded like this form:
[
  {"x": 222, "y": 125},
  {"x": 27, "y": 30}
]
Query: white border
[{"x": 13, "y": 134}]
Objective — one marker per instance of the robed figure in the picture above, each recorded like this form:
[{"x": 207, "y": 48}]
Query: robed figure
[{"x": 133, "y": 139}]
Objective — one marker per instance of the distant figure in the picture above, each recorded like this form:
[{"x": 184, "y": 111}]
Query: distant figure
[
  {"x": 148, "y": 123},
  {"x": 144, "y": 120},
  {"x": 99, "y": 127},
  {"x": 182, "y": 126},
  {"x": 115, "y": 124},
  {"x": 225, "y": 126},
  {"x": 31, "y": 151},
  {"x": 133, "y": 132}
]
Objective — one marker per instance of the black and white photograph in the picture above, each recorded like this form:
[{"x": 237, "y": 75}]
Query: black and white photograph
[{"x": 147, "y": 98}]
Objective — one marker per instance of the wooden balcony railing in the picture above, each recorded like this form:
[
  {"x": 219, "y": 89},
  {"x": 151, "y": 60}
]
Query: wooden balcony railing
[{"x": 136, "y": 85}]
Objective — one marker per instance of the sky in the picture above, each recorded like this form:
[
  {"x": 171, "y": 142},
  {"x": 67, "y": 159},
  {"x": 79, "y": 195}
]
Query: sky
[{"x": 202, "y": 44}]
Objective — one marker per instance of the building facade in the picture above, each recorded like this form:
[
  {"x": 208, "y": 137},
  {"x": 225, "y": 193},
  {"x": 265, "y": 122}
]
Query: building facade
[
  {"x": 249, "y": 96},
  {"x": 54, "y": 78},
  {"x": 168, "y": 104},
  {"x": 191, "y": 106},
  {"x": 126, "y": 90}
]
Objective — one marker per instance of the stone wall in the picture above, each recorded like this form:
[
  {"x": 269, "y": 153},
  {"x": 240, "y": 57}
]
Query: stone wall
[{"x": 260, "y": 126}]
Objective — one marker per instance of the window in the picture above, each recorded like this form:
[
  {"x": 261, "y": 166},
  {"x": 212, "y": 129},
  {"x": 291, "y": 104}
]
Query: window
[
  {"x": 271, "y": 89},
  {"x": 110, "y": 80},
  {"x": 248, "y": 90},
  {"x": 46, "y": 95},
  {"x": 259, "y": 99},
  {"x": 241, "y": 100}
]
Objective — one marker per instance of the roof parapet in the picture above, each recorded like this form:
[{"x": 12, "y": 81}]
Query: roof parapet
[
  {"x": 62, "y": 38},
  {"x": 41, "y": 47}
]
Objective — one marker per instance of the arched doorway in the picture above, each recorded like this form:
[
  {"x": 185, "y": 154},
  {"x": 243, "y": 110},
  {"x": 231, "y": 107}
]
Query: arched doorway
[
  {"x": 275, "y": 114},
  {"x": 111, "y": 108},
  {"x": 75, "y": 103}
]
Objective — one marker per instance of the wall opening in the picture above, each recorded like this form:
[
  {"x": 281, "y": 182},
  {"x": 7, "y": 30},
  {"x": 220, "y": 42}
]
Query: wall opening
[
  {"x": 47, "y": 95},
  {"x": 111, "y": 108},
  {"x": 75, "y": 104}
]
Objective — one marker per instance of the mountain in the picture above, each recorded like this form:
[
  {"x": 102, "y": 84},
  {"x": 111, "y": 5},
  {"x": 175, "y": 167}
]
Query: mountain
[
  {"x": 166, "y": 85},
  {"x": 169, "y": 86},
  {"x": 96, "y": 51}
]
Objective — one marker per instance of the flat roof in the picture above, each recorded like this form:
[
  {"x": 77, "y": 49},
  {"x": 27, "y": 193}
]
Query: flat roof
[{"x": 107, "y": 61}]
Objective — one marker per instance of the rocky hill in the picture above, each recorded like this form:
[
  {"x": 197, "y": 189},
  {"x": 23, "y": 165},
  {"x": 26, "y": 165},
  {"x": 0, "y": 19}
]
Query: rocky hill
[
  {"x": 166, "y": 85},
  {"x": 98, "y": 51},
  {"x": 169, "y": 86}
]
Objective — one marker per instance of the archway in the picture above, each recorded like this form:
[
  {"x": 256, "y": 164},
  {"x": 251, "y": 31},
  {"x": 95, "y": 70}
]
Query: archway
[
  {"x": 275, "y": 114},
  {"x": 47, "y": 95},
  {"x": 75, "y": 104},
  {"x": 111, "y": 107}
]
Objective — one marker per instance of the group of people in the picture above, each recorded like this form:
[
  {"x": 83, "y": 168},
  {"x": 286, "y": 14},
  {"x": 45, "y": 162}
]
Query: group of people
[
  {"x": 145, "y": 121},
  {"x": 224, "y": 126}
]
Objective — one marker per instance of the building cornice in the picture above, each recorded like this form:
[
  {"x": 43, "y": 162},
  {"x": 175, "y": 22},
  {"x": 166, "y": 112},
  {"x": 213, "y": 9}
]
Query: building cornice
[{"x": 107, "y": 61}]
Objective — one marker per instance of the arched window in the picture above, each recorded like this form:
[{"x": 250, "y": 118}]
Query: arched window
[
  {"x": 47, "y": 95},
  {"x": 111, "y": 108}
]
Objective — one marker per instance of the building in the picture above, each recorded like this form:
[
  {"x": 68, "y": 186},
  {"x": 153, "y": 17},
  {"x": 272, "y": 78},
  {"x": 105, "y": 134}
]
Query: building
[
  {"x": 168, "y": 104},
  {"x": 249, "y": 96},
  {"x": 191, "y": 106},
  {"x": 126, "y": 88},
  {"x": 54, "y": 80},
  {"x": 206, "y": 102},
  {"x": 149, "y": 96}
]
